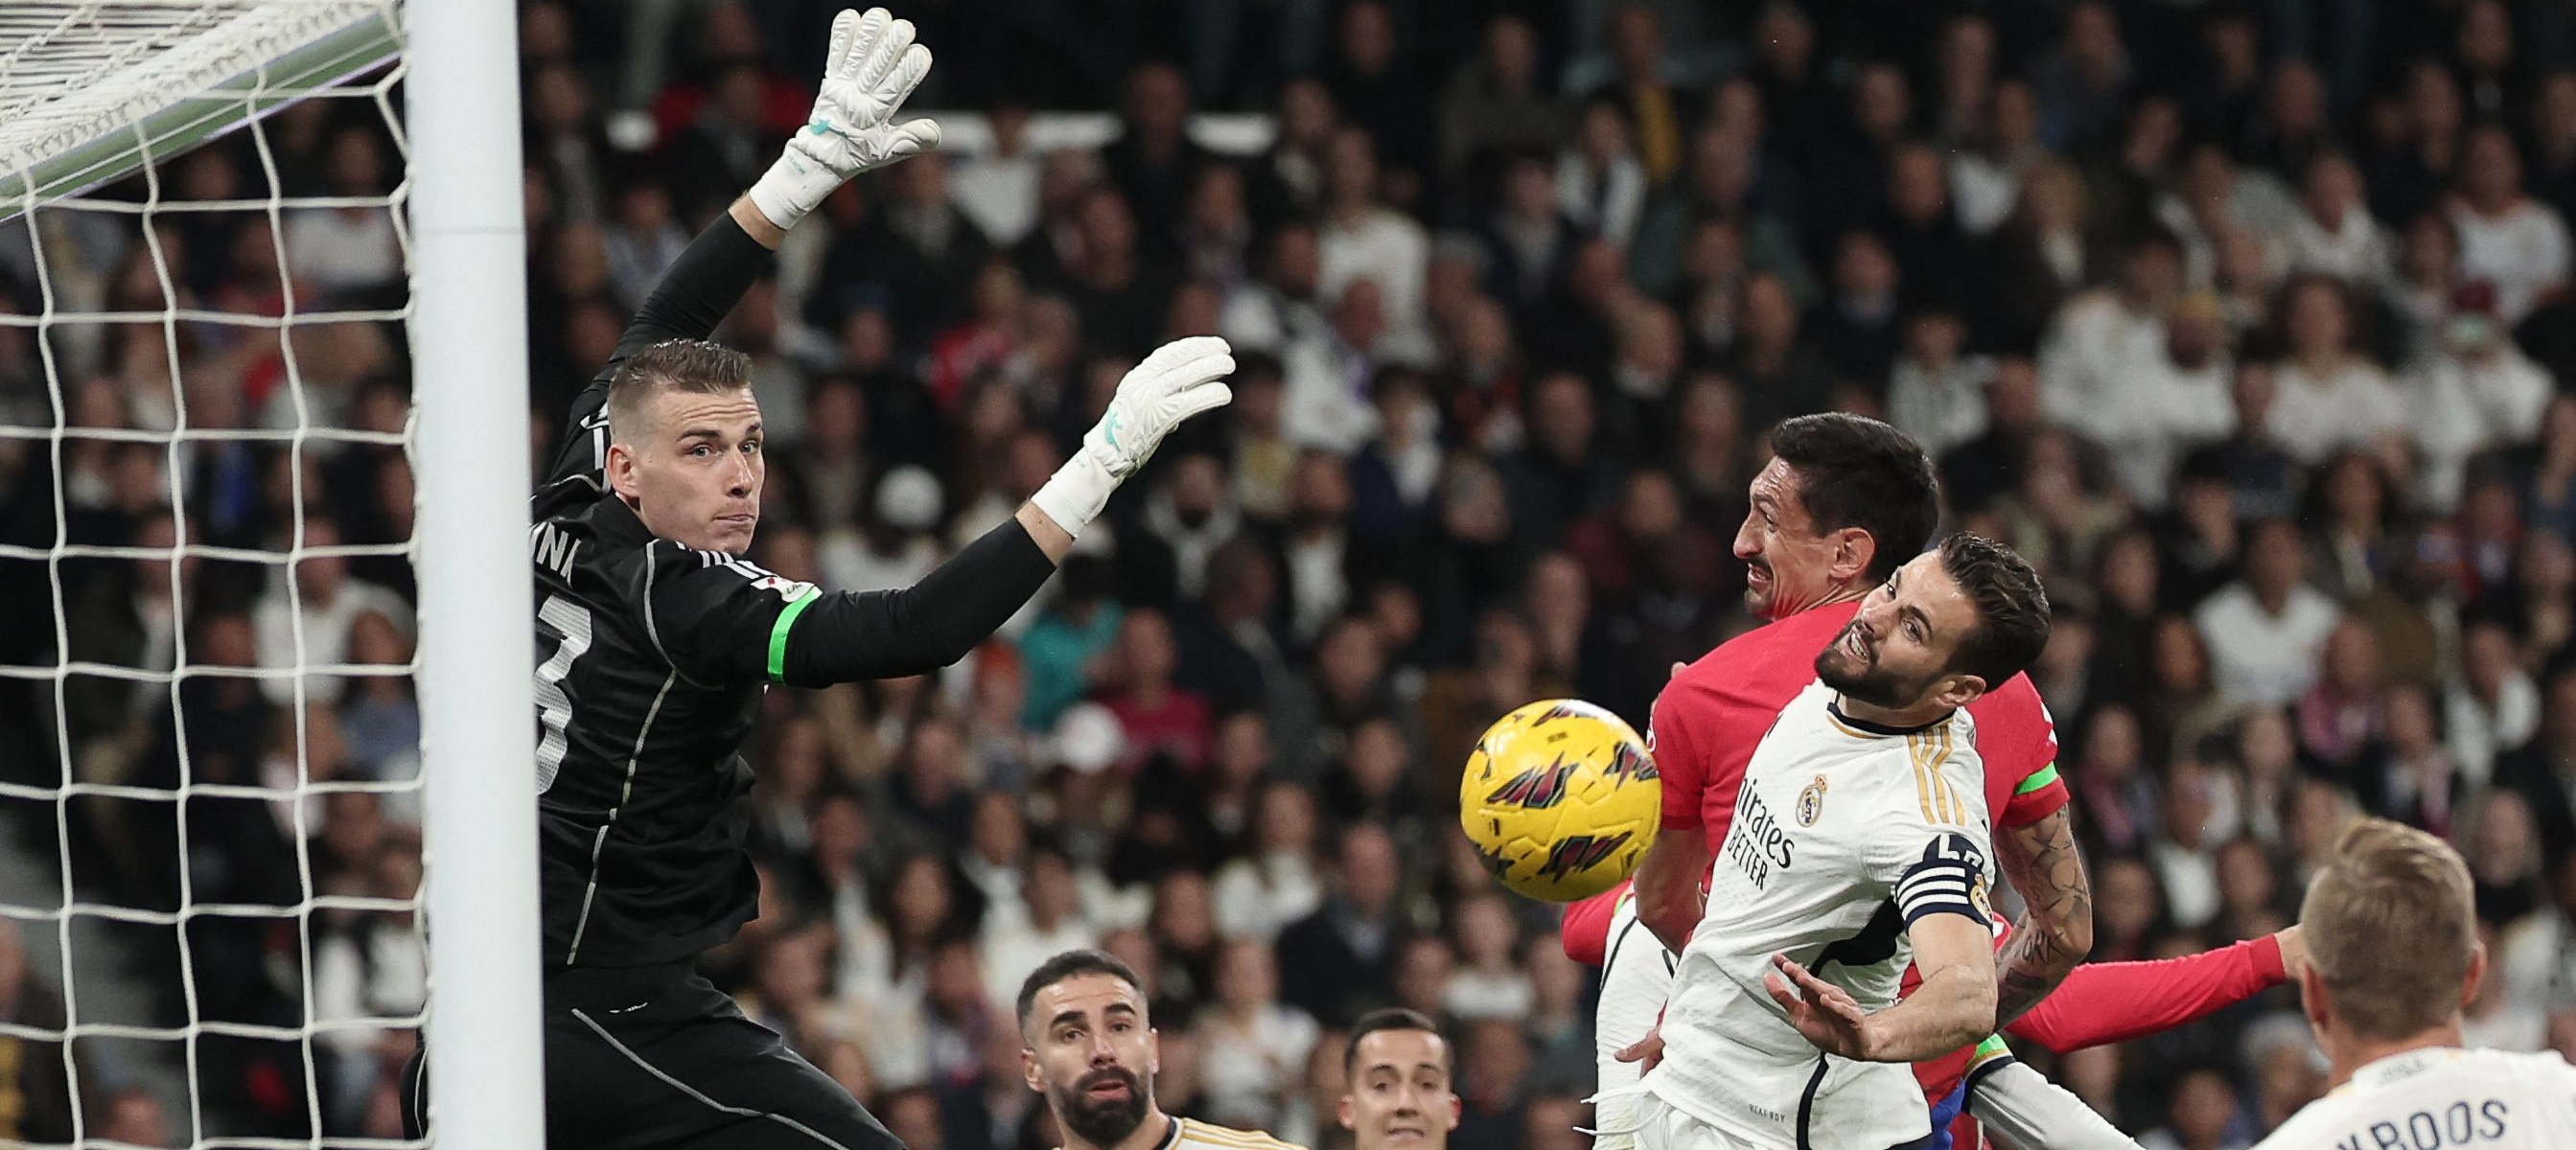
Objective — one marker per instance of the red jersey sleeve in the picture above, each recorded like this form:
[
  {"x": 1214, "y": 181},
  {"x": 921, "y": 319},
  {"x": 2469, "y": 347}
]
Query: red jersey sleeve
[
  {"x": 1677, "y": 758},
  {"x": 2106, "y": 1002},
  {"x": 1585, "y": 929},
  {"x": 2017, "y": 738}
]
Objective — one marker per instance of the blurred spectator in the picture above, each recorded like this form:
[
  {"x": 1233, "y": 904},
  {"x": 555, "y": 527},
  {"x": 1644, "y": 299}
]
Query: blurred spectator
[
  {"x": 1160, "y": 718},
  {"x": 2329, "y": 396},
  {"x": 1364, "y": 240},
  {"x": 1280, "y": 879},
  {"x": 2495, "y": 708},
  {"x": 998, "y": 190},
  {"x": 2334, "y": 233},
  {"x": 1935, "y": 393},
  {"x": 2507, "y": 239},
  {"x": 1489, "y": 983},
  {"x": 1253, "y": 1049},
  {"x": 1600, "y": 181},
  {"x": 307, "y": 624},
  {"x": 2107, "y": 336},
  {"x": 347, "y": 250},
  {"x": 1339, "y": 962},
  {"x": 1494, "y": 106},
  {"x": 2475, "y": 391},
  {"x": 2264, "y": 632}
]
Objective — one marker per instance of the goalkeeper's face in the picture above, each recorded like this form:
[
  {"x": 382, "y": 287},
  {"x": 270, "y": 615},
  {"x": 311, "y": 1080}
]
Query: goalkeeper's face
[
  {"x": 1093, "y": 1054},
  {"x": 692, "y": 468}
]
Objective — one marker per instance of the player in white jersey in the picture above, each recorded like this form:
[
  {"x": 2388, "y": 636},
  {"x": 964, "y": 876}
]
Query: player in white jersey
[
  {"x": 1857, "y": 847},
  {"x": 2393, "y": 958}
]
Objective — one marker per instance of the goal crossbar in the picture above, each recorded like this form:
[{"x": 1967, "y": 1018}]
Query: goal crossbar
[{"x": 97, "y": 89}]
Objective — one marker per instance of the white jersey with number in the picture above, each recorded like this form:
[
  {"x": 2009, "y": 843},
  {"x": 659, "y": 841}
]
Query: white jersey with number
[
  {"x": 1845, "y": 834},
  {"x": 2441, "y": 1098}
]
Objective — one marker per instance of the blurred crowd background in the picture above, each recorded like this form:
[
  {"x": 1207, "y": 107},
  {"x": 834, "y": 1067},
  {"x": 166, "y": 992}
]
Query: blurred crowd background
[{"x": 2245, "y": 321}]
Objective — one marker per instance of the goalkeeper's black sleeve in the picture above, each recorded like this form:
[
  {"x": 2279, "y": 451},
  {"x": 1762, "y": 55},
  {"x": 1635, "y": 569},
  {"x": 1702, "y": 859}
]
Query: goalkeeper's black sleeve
[
  {"x": 849, "y": 636},
  {"x": 711, "y": 276}
]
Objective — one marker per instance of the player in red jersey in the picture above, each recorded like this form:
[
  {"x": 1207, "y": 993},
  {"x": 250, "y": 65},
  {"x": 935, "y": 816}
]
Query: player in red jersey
[
  {"x": 2098, "y": 1004},
  {"x": 1843, "y": 503}
]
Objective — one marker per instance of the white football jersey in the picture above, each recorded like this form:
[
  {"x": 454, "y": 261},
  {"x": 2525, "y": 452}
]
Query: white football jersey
[
  {"x": 1636, "y": 978},
  {"x": 1845, "y": 833},
  {"x": 2442, "y": 1097}
]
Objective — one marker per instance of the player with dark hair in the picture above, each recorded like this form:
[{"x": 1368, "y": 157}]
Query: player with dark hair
[
  {"x": 1089, "y": 1046},
  {"x": 1857, "y": 847},
  {"x": 1396, "y": 1070},
  {"x": 656, "y": 640},
  {"x": 1843, "y": 503}
]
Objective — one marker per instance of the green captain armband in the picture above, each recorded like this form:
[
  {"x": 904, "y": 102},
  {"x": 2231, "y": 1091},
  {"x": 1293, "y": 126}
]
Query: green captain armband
[
  {"x": 2037, "y": 780},
  {"x": 778, "y": 632}
]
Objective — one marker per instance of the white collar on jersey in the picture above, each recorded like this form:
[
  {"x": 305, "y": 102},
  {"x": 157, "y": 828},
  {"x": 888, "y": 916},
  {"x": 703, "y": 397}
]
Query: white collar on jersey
[{"x": 2388, "y": 1069}]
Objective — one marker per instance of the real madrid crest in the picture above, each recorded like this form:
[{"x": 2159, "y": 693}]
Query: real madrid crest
[{"x": 1811, "y": 802}]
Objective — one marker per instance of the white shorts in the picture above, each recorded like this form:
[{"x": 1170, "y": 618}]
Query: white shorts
[{"x": 1660, "y": 1127}]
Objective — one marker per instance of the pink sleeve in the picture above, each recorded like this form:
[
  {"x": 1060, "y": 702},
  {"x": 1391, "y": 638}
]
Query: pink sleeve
[
  {"x": 2106, "y": 1002},
  {"x": 1585, "y": 929}
]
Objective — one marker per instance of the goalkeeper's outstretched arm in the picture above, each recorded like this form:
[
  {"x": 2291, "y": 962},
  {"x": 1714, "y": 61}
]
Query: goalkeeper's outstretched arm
[
  {"x": 717, "y": 626},
  {"x": 872, "y": 65}
]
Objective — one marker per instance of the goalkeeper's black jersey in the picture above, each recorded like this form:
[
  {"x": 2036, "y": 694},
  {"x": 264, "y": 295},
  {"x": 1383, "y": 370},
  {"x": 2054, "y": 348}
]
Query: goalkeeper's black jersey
[
  {"x": 652, "y": 657},
  {"x": 645, "y": 682}
]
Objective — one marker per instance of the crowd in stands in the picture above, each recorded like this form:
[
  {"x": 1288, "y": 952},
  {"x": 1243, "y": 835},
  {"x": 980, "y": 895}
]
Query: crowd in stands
[{"x": 2245, "y": 322}]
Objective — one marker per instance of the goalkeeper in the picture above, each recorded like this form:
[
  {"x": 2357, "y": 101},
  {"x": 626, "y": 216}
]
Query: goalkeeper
[{"x": 656, "y": 640}]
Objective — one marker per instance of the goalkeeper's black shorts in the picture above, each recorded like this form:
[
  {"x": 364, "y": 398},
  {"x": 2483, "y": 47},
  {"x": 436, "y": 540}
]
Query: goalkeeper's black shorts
[{"x": 658, "y": 1059}]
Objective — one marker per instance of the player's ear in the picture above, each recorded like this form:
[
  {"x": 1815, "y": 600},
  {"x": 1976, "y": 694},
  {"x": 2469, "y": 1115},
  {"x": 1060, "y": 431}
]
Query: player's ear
[
  {"x": 1349, "y": 1121},
  {"x": 620, "y": 466},
  {"x": 1153, "y": 1051},
  {"x": 1457, "y": 1110},
  {"x": 2314, "y": 1002},
  {"x": 1959, "y": 690},
  {"x": 1854, "y": 551},
  {"x": 2477, "y": 975},
  {"x": 1030, "y": 1072}
]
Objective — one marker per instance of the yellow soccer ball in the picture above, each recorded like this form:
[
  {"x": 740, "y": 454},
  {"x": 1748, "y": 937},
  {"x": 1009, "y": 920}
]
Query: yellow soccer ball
[{"x": 1561, "y": 799}]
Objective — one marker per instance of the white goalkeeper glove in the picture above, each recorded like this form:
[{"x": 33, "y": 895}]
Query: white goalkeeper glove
[
  {"x": 1181, "y": 379},
  {"x": 871, "y": 67}
]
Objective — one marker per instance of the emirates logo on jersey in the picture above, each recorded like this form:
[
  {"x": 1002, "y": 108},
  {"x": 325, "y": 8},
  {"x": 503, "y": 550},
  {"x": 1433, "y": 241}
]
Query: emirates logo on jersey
[
  {"x": 1581, "y": 853},
  {"x": 1537, "y": 787}
]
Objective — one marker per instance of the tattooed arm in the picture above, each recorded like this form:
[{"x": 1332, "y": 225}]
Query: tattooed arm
[{"x": 2056, "y": 927}]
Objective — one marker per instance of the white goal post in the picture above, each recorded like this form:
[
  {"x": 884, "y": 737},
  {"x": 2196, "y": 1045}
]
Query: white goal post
[
  {"x": 93, "y": 92},
  {"x": 478, "y": 740}
]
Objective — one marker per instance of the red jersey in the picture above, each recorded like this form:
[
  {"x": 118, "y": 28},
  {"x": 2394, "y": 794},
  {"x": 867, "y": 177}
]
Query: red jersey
[{"x": 1710, "y": 716}]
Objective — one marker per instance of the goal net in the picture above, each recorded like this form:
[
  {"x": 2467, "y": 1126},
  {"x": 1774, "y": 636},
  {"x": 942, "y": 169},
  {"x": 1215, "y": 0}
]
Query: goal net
[{"x": 212, "y": 928}]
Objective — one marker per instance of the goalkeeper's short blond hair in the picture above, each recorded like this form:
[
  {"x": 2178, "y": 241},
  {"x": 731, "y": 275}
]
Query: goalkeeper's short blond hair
[
  {"x": 2391, "y": 929},
  {"x": 690, "y": 365}
]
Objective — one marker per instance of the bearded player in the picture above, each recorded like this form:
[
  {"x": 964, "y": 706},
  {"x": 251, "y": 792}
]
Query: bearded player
[
  {"x": 657, "y": 641},
  {"x": 1843, "y": 503},
  {"x": 1858, "y": 846},
  {"x": 2394, "y": 960},
  {"x": 1088, "y": 1045}
]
